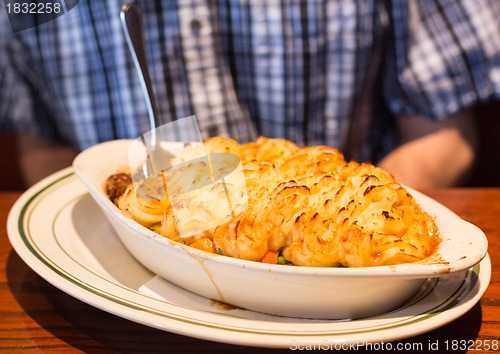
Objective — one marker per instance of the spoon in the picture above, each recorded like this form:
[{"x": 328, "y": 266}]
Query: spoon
[{"x": 159, "y": 159}]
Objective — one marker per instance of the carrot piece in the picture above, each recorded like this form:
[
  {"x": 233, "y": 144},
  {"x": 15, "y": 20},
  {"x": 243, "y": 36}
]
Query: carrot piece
[
  {"x": 204, "y": 244},
  {"x": 270, "y": 257}
]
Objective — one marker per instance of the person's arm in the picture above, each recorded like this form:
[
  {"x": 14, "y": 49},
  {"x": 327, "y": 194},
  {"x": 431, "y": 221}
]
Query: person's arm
[
  {"x": 440, "y": 59},
  {"x": 39, "y": 157},
  {"x": 433, "y": 154}
]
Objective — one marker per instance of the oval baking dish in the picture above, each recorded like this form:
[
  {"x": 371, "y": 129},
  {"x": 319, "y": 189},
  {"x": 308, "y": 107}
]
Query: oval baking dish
[{"x": 308, "y": 292}]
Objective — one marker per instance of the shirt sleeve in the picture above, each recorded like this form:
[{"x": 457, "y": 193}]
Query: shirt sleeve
[
  {"x": 442, "y": 56},
  {"x": 24, "y": 101}
]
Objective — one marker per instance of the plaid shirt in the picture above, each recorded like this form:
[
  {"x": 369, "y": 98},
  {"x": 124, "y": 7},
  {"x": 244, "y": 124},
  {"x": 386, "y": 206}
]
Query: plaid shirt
[{"x": 292, "y": 69}]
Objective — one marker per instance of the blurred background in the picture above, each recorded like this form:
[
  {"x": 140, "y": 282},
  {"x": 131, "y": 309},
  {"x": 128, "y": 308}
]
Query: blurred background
[{"x": 368, "y": 90}]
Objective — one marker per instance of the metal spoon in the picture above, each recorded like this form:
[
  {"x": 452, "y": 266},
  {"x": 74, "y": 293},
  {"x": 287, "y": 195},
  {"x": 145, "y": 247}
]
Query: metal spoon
[{"x": 159, "y": 158}]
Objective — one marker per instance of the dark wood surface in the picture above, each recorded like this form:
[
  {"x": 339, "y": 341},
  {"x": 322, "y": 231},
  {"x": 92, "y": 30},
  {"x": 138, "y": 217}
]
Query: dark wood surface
[{"x": 37, "y": 317}]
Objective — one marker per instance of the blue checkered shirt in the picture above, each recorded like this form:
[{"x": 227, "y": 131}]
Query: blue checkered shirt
[{"x": 291, "y": 69}]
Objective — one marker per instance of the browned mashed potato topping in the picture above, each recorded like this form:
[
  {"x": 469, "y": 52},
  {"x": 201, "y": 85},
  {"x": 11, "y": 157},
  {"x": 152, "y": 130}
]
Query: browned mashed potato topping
[{"x": 306, "y": 206}]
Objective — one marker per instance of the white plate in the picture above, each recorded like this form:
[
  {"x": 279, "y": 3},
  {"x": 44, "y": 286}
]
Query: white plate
[{"x": 60, "y": 232}]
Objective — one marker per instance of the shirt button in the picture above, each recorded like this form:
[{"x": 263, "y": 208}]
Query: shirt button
[
  {"x": 212, "y": 130},
  {"x": 195, "y": 24}
]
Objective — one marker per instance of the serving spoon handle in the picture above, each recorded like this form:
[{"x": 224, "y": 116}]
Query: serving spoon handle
[
  {"x": 159, "y": 159},
  {"x": 132, "y": 28}
]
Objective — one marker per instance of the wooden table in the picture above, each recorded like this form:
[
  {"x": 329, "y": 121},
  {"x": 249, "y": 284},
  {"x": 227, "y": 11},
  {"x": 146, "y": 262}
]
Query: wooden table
[{"x": 35, "y": 316}]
